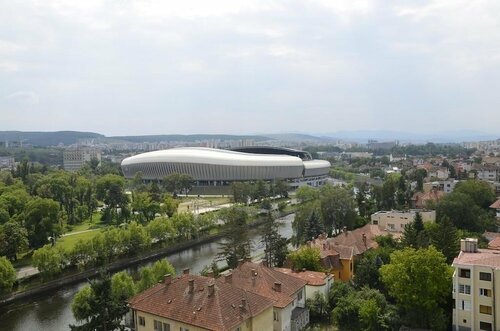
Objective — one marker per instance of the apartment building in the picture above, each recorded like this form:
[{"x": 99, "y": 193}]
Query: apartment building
[
  {"x": 476, "y": 281},
  {"x": 75, "y": 159},
  {"x": 395, "y": 221}
]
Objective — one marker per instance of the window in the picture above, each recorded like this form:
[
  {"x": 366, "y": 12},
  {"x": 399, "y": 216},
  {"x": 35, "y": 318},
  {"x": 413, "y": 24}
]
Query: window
[
  {"x": 485, "y": 326},
  {"x": 375, "y": 222},
  {"x": 465, "y": 289},
  {"x": 465, "y": 305},
  {"x": 464, "y": 273},
  {"x": 485, "y": 309},
  {"x": 485, "y": 276},
  {"x": 166, "y": 327},
  {"x": 275, "y": 315},
  {"x": 142, "y": 321},
  {"x": 237, "y": 329},
  {"x": 157, "y": 325},
  {"x": 183, "y": 329},
  {"x": 484, "y": 292},
  {"x": 299, "y": 297}
]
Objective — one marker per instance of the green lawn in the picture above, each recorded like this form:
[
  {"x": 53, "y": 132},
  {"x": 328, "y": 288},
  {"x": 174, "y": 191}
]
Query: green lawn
[
  {"x": 86, "y": 225},
  {"x": 68, "y": 242}
]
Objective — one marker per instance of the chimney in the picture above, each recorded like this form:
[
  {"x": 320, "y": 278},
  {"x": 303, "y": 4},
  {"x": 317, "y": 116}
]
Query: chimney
[
  {"x": 243, "y": 303},
  {"x": 364, "y": 239},
  {"x": 248, "y": 258},
  {"x": 228, "y": 278},
  {"x": 191, "y": 285},
  {"x": 167, "y": 279},
  {"x": 240, "y": 262},
  {"x": 253, "y": 272},
  {"x": 211, "y": 289},
  {"x": 277, "y": 286},
  {"x": 468, "y": 245},
  {"x": 344, "y": 229},
  {"x": 210, "y": 274},
  {"x": 185, "y": 271}
]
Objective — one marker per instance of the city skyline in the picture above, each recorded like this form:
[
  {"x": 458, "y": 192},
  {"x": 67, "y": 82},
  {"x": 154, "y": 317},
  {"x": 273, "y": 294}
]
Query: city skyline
[{"x": 133, "y": 68}]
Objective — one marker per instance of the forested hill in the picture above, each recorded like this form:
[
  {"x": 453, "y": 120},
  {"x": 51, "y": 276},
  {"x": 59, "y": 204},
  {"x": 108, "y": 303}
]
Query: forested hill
[{"x": 47, "y": 138}]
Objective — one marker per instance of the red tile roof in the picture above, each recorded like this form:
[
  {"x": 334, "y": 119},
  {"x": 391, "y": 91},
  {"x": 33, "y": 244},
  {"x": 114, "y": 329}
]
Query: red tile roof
[
  {"x": 484, "y": 257},
  {"x": 420, "y": 198},
  {"x": 494, "y": 244},
  {"x": 313, "y": 278},
  {"x": 256, "y": 278},
  {"x": 225, "y": 309}
]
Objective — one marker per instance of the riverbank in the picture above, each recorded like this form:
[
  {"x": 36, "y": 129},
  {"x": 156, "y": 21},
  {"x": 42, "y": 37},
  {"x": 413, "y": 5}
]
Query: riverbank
[{"x": 118, "y": 265}]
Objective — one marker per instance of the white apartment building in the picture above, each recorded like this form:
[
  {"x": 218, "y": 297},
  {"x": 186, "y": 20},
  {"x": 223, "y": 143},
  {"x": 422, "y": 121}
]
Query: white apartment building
[
  {"x": 395, "y": 220},
  {"x": 476, "y": 281},
  {"x": 73, "y": 160}
]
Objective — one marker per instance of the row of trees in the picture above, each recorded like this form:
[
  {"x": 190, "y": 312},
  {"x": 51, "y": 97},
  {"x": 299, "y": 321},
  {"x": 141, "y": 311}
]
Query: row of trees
[
  {"x": 117, "y": 242},
  {"x": 243, "y": 192}
]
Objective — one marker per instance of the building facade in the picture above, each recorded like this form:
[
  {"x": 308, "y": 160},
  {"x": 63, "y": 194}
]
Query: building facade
[
  {"x": 395, "y": 220},
  {"x": 476, "y": 281},
  {"x": 75, "y": 159}
]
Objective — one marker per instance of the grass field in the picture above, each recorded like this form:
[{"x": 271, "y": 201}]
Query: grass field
[{"x": 68, "y": 242}]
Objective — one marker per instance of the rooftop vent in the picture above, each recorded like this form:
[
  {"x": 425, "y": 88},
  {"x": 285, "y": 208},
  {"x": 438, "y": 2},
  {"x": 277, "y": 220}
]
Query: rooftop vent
[{"x": 468, "y": 245}]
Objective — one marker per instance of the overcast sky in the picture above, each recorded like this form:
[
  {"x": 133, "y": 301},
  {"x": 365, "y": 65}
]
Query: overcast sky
[{"x": 228, "y": 66}]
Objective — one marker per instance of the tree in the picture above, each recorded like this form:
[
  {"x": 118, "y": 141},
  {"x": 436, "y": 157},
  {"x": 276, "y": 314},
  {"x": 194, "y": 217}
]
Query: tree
[
  {"x": 15, "y": 239},
  {"x": 314, "y": 227},
  {"x": 150, "y": 276},
  {"x": 161, "y": 229},
  {"x": 444, "y": 236},
  {"x": 305, "y": 225},
  {"x": 275, "y": 246},
  {"x": 318, "y": 307},
  {"x": 306, "y": 257},
  {"x": 122, "y": 285},
  {"x": 242, "y": 191},
  {"x": 110, "y": 189},
  {"x": 306, "y": 193},
  {"x": 281, "y": 188},
  {"x": 260, "y": 190},
  {"x": 177, "y": 183},
  {"x": 41, "y": 219},
  {"x": 480, "y": 192},
  {"x": 414, "y": 234},
  {"x": 366, "y": 309},
  {"x": 461, "y": 209},
  {"x": 337, "y": 208},
  {"x": 420, "y": 281},
  {"x": 7, "y": 274},
  {"x": 144, "y": 206},
  {"x": 98, "y": 309},
  {"x": 49, "y": 260},
  {"x": 236, "y": 245},
  {"x": 170, "y": 206}
]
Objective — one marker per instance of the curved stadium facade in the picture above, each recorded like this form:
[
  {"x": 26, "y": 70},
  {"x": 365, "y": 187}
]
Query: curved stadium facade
[{"x": 217, "y": 167}]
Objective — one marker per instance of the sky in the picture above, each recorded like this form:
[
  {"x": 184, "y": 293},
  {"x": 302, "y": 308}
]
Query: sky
[{"x": 133, "y": 67}]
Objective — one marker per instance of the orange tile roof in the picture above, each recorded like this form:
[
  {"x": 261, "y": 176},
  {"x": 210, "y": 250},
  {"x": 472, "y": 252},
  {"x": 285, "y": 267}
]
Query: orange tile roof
[
  {"x": 225, "y": 309},
  {"x": 484, "y": 257},
  {"x": 256, "y": 278},
  {"x": 496, "y": 204},
  {"x": 313, "y": 278},
  {"x": 355, "y": 239},
  {"x": 494, "y": 244},
  {"x": 421, "y": 198}
]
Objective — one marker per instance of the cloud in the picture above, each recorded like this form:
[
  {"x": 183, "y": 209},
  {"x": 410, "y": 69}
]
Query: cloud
[
  {"x": 25, "y": 97},
  {"x": 258, "y": 65}
]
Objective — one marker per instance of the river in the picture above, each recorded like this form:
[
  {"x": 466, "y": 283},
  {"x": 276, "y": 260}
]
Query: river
[{"x": 53, "y": 311}]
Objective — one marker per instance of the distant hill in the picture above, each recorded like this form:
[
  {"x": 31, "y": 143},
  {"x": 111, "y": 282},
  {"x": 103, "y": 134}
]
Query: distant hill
[
  {"x": 188, "y": 137},
  {"x": 45, "y": 139},
  {"x": 297, "y": 137}
]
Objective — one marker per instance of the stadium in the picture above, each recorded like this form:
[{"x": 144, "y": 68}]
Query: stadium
[{"x": 219, "y": 168}]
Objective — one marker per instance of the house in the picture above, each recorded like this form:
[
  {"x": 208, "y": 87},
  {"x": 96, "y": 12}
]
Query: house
[
  {"x": 285, "y": 291},
  {"x": 438, "y": 172},
  {"x": 317, "y": 282},
  {"x": 395, "y": 221},
  {"x": 361, "y": 239},
  {"x": 475, "y": 292},
  {"x": 191, "y": 302},
  {"x": 336, "y": 258},
  {"x": 420, "y": 200},
  {"x": 488, "y": 173},
  {"x": 496, "y": 206}
]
